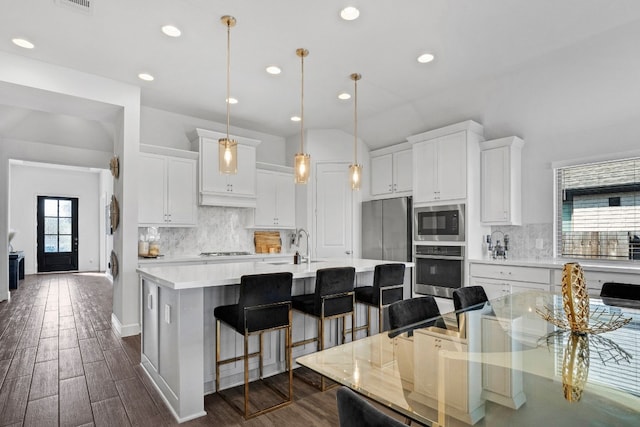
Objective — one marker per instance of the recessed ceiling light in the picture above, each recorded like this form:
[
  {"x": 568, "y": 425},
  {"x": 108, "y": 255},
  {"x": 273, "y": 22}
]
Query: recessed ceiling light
[
  {"x": 273, "y": 69},
  {"x": 425, "y": 57},
  {"x": 171, "y": 31},
  {"x": 146, "y": 77},
  {"x": 231, "y": 100},
  {"x": 23, "y": 43},
  {"x": 344, "y": 96},
  {"x": 349, "y": 13},
  {"x": 295, "y": 119}
]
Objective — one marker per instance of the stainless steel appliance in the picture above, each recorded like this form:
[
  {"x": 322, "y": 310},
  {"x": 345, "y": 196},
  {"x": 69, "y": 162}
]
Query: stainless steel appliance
[
  {"x": 439, "y": 223},
  {"x": 386, "y": 229},
  {"x": 439, "y": 270}
]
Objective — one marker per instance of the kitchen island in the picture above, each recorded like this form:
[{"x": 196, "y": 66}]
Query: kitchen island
[{"x": 178, "y": 326}]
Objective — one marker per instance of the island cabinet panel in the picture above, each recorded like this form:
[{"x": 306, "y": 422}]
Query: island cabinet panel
[{"x": 150, "y": 322}]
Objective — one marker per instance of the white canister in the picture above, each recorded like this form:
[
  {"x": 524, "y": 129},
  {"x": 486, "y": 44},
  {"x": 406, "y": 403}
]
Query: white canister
[{"x": 143, "y": 248}]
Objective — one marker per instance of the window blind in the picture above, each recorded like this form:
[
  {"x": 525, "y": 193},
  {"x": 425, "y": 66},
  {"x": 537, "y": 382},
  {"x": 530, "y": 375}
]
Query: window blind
[{"x": 598, "y": 212}]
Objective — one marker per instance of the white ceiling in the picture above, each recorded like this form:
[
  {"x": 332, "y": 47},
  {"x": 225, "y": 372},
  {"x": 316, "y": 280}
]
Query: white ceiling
[{"x": 510, "y": 64}]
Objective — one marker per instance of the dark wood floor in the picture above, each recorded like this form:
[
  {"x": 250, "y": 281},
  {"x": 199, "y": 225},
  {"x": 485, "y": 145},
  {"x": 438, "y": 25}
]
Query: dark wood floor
[{"x": 62, "y": 364}]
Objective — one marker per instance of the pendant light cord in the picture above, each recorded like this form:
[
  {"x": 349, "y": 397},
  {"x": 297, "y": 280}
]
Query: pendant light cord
[
  {"x": 228, "y": 74},
  {"x": 302, "y": 104},
  {"x": 355, "y": 121}
]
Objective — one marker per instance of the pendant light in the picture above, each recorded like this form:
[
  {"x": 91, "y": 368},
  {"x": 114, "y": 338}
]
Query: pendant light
[
  {"x": 355, "y": 170},
  {"x": 227, "y": 147},
  {"x": 302, "y": 160}
]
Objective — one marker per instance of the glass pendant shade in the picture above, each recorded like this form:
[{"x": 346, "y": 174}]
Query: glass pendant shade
[
  {"x": 302, "y": 168},
  {"x": 355, "y": 171},
  {"x": 227, "y": 156}
]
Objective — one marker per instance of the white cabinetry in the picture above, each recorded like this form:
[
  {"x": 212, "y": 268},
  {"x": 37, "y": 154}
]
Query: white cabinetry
[
  {"x": 167, "y": 189},
  {"x": 502, "y": 380},
  {"x": 501, "y": 198},
  {"x": 596, "y": 278},
  {"x": 499, "y": 280},
  {"x": 440, "y": 168},
  {"x": 216, "y": 189},
  {"x": 391, "y": 172},
  {"x": 450, "y": 380},
  {"x": 275, "y": 203}
]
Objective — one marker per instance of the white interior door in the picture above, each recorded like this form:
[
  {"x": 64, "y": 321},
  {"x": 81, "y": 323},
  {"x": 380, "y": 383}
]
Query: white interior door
[{"x": 334, "y": 211}]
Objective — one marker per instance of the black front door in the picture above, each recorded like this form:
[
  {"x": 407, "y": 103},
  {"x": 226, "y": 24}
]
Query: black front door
[{"x": 57, "y": 233}]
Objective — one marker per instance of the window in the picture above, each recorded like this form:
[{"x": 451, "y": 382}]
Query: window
[{"x": 598, "y": 210}]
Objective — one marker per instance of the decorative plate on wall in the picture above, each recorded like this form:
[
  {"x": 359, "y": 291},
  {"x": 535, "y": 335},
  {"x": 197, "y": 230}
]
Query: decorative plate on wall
[
  {"x": 115, "y": 213},
  {"x": 114, "y": 265},
  {"x": 114, "y": 165}
]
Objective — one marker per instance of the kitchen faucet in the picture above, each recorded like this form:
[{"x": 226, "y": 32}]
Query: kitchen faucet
[
  {"x": 298, "y": 233},
  {"x": 497, "y": 250}
]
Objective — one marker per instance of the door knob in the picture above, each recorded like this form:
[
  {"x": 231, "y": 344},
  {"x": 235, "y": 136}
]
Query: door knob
[{"x": 348, "y": 252}]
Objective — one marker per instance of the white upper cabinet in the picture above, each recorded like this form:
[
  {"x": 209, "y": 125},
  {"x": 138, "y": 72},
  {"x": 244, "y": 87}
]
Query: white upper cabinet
[
  {"x": 440, "y": 169},
  {"x": 501, "y": 189},
  {"x": 167, "y": 189},
  {"x": 391, "y": 173},
  {"x": 275, "y": 202},
  {"x": 216, "y": 189}
]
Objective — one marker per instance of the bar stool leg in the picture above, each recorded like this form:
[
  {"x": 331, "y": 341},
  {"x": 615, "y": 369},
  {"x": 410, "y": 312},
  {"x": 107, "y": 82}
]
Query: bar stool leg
[
  {"x": 217, "y": 355},
  {"x": 380, "y": 318},
  {"x": 260, "y": 352},
  {"x": 246, "y": 374},
  {"x": 368, "y": 308},
  {"x": 353, "y": 324},
  {"x": 288, "y": 341}
]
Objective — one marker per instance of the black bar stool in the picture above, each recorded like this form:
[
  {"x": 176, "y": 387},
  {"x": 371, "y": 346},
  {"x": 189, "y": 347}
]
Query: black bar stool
[
  {"x": 264, "y": 305},
  {"x": 333, "y": 298},
  {"x": 388, "y": 283}
]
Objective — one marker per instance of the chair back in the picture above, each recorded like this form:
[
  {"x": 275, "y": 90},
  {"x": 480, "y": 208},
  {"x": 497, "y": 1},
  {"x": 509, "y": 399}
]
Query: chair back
[
  {"x": 388, "y": 275},
  {"x": 620, "y": 291},
  {"x": 265, "y": 300},
  {"x": 354, "y": 411},
  {"x": 334, "y": 287},
  {"x": 469, "y": 297},
  {"x": 411, "y": 312}
]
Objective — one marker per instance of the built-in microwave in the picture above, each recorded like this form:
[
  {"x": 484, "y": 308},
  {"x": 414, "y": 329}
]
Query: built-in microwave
[{"x": 439, "y": 223}]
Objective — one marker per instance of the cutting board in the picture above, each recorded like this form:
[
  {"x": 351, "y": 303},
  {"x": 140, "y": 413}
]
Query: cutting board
[{"x": 267, "y": 242}]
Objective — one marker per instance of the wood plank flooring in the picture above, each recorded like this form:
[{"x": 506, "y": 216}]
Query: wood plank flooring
[{"x": 62, "y": 364}]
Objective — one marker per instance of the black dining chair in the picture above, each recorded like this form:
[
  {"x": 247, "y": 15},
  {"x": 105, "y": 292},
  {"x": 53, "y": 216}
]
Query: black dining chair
[
  {"x": 354, "y": 411},
  {"x": 414, "y": 313},
  {"x": 264, "y": 305},
  {"x": 620, "y": 294},
  {"x": 469, "y": 298},
  {"x": 333, "y": 298},
  {"x": 388, "y": 284}
]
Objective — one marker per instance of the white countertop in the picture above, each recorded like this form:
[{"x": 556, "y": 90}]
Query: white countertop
[
  {"x": 222, "y": 274},
  {"x": 622, "y": 266}
]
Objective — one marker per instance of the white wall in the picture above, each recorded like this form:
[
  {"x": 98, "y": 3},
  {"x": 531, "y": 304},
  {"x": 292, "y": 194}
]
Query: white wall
[
  {"x": 166, "y": 129},
  {"x": 28, "y": 182},
  {"x": 328, "y": 145}
]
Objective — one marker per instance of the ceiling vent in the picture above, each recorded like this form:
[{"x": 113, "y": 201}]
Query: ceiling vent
[{"x": 84, "y": 6}]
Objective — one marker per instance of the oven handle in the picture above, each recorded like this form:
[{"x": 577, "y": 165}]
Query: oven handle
[{"x": 452, "y": 258}]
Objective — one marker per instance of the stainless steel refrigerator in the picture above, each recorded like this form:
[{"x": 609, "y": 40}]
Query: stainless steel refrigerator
[{"x": 386, "y": 229}]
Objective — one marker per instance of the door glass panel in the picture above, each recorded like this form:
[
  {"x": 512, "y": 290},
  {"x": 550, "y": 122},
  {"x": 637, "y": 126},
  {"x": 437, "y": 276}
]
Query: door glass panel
[
  {"x": 50, "y": 207},
  {"x": 51, "y": 243},
  {"x": 65, "y": 226},
  {"x": 65, "y": 208},
  {"x": 65, "y": 244},
  {"x": 51, "y": 226}
]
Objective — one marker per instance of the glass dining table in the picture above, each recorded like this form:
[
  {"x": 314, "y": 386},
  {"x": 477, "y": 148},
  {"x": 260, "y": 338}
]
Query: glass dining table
[{"x": 500, "y": 364}]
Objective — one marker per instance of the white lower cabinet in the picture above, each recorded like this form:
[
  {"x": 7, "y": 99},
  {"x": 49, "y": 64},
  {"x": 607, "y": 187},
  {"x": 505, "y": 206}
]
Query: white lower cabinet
[
  {"x": 499, "y": 280},
  {"x": 502, "y": 368},
  {"x": 445, "y": 378},
  {"x": 595, "y": 279},
  {"x": 150, "y": 322}
]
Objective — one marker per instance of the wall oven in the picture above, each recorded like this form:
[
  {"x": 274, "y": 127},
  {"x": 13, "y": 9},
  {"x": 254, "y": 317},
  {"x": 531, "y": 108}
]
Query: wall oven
[
  {"x": 439, "y": 270},
  {"x": 439, "y": 223}
]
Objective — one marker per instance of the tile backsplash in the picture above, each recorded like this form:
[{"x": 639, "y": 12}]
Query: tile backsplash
[
  {"x": 219, "y": 229},
  {"x": 522, "y": 240}
]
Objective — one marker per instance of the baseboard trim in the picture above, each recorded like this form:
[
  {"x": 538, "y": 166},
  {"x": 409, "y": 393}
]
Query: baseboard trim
[{"x": 124, "y": 330}]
